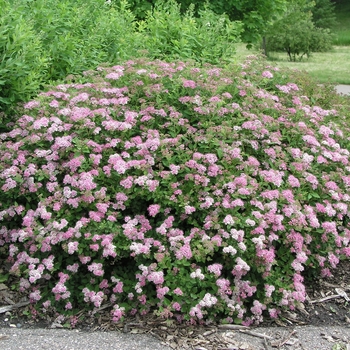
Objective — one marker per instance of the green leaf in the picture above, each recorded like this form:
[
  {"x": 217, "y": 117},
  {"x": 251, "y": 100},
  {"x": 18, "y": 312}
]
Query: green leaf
[{"x": 4, "y": 278}]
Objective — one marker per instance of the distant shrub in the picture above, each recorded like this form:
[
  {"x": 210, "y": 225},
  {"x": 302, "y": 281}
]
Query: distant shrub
[
  {"x": 296, "y": 34},
  {"x": 254, "y": 15},
  {"x": 79, "y": 35},
  {"x": 23, "y": 63},
  {"x": 168, "y": 34}
]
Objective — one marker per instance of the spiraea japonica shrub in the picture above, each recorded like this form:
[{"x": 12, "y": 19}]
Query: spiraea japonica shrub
[{"x": 195, "y": 193}]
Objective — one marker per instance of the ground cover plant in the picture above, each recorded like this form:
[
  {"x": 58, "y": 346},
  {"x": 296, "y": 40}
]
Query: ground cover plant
[{"x": 202, "y": 194}]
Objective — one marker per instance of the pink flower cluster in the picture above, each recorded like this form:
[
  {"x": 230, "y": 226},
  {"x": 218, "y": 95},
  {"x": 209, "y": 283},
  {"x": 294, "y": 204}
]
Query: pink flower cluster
[{"x": 149, "y": 198}]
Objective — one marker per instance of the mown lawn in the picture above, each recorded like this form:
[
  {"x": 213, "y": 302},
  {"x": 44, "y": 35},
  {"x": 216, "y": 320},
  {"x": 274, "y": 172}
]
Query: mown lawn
[{"x": 327, "y": 67}]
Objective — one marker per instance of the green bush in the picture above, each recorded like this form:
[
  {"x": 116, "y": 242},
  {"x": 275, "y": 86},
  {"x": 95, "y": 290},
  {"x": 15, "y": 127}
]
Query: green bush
[
  {"x": 44, "y": 41},
  {"x": 79, "y": 35},
  {"x": 171, "y": 35},
  {"x": 23, "y": 63},
  {"x": 198, "y": 193},
  {"x": 254, "y": 15}
]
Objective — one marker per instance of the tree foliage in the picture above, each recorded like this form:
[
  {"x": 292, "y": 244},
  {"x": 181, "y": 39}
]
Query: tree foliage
[
  {"x": 296, "y": 34},
  {"x": 323, "y": 14}
]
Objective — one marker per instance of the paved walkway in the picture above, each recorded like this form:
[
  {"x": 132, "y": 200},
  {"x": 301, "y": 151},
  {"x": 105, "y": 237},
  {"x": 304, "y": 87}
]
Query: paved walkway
[
  {"x": 343, "y": 89},
  {"x": 301, "y": 337}
]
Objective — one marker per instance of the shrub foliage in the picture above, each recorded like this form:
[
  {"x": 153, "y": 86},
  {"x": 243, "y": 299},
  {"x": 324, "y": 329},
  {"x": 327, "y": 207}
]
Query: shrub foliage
[
  {"x": 23, "y": 64},
  {"x": 196, "y": 193},
  {"x": 168, "y": 34},
  {"x": 44, "y": 41}
]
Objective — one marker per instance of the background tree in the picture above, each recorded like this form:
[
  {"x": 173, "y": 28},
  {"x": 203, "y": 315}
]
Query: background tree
[
  {"x": 296, "y": 33},
  {"x": 323, "y": 14}
]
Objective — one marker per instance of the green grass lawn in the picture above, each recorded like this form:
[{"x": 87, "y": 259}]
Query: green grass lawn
[{"x": 327, "y": 67}]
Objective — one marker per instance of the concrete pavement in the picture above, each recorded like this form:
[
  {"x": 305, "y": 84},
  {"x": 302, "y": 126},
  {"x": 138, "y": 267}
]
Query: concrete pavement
[{"x": 343, "y": 89}]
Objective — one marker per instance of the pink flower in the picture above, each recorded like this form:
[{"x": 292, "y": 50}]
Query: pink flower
[
  {"x": 208, "y": 202},
  {"x": 293, "y": 181},
  {"x": 197, "y": 274},
  {"x": 208, "y": 300},
  {"x": 32, "y": 105},
  {"x": 189, "y": 84},
  {"x": 176, "y": 306},
  {"x": 161, "y": 292},
  {"x": 184, "y": 252},
  {"x": 228, "y": 220},
  {"x": 73, "y": 268},
  {"x": 152, "y": 185},
  {"x": 196, "y": 311},
  {"x": 95, "y": 216},
  {"x": 127, "y": 183},
  {"x": 241, "y": 268},
  {"x": 273, "y": 313},
  {"x": 115, "y": 75},
  {"x": 102, "y": 207},
  {"x": 117, "y": 313},
  {"x": 174, "y": 169},
  {"x": 35, "y": 296},
  {"x": 273, "y": 176},
  {"x": 153, "y": 209},
  {"x": 118, "y": 287},
  {"x": 267, "y": 74},
  {"x": 72, "y": 247},
  {"x": 216, "y": 269},
  {"x": 156, "y": 277},
  {"x": 258, "y": 308},
  {"x": 189, "y": 209},
  {"x": 269, "y": 289},
  {"x": 333, "y": 260},
  {"x": 178, "y": 291},
  {"x": 94, "y": 247}
]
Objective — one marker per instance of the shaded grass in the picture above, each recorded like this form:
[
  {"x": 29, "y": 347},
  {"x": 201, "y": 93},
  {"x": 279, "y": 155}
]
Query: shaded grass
[{"x": 326, "y": 67}]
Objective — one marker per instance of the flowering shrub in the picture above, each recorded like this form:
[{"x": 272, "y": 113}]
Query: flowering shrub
[{"x": 196, "y": 193}]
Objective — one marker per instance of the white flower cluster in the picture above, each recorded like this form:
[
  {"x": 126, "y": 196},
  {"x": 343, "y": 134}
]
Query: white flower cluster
[
  {"x": 208, "y": 300},
  {"x": 197, "y": 274}
]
